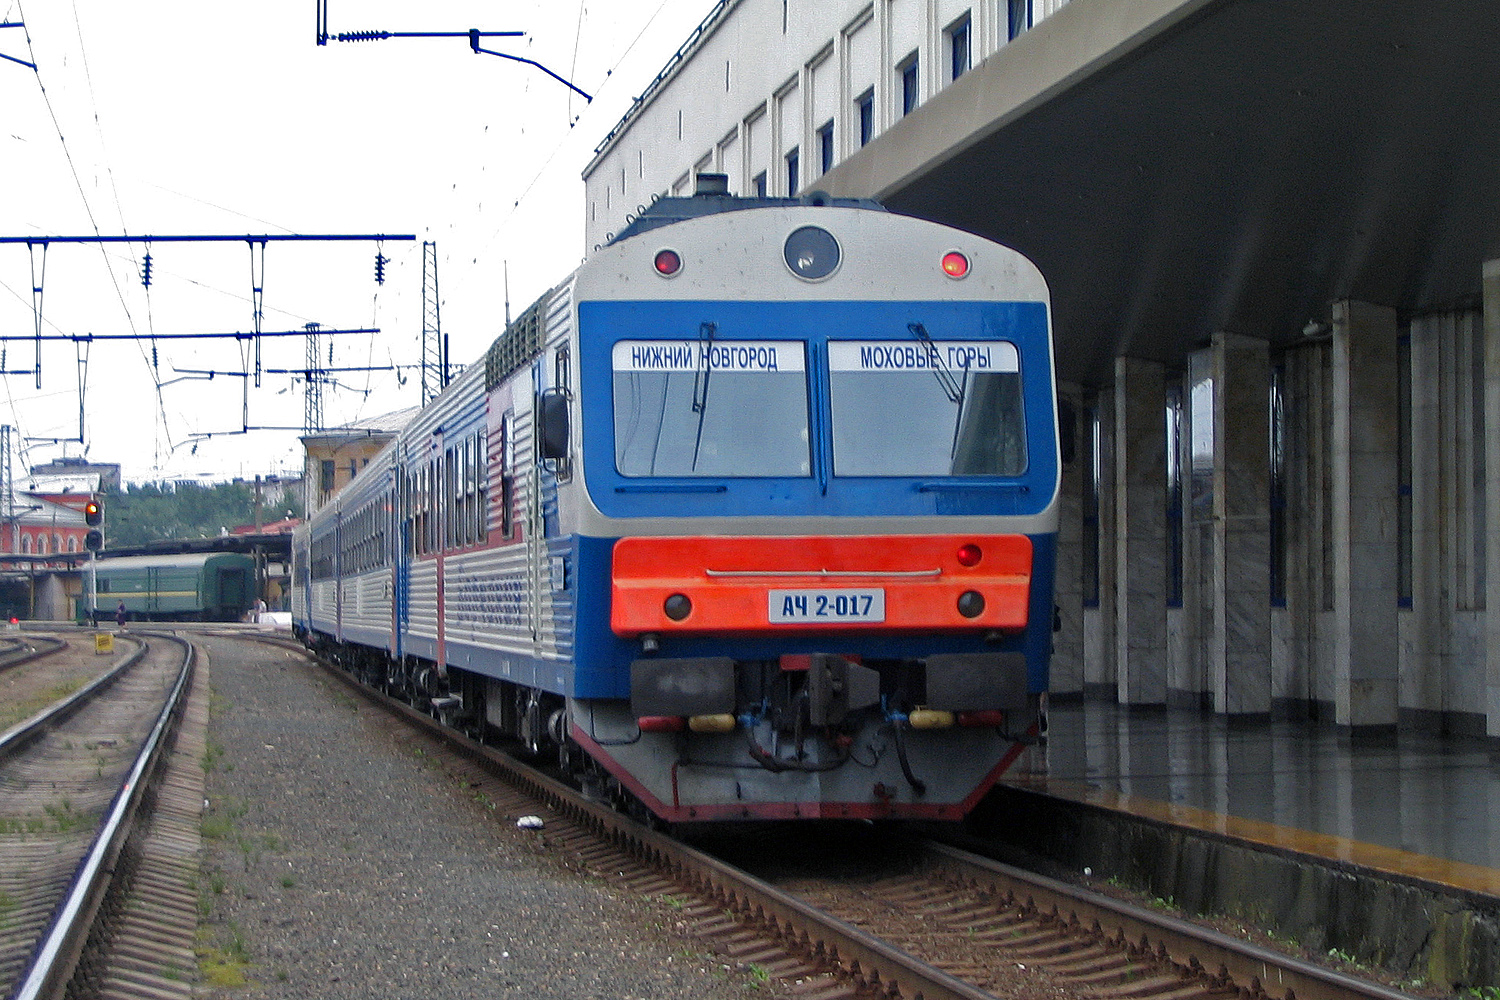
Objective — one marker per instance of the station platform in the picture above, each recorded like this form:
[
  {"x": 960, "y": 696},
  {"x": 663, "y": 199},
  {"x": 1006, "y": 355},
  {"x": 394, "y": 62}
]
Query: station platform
[
  {"x": 1384, "y": 850},
  {"x": 1410, "y": 804}
]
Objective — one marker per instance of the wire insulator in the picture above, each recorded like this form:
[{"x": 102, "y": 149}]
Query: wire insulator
[
  {"x": 381, "y": 260},
  {"x": 362, "y": 36},
  {"x": 146, "y": 271}
]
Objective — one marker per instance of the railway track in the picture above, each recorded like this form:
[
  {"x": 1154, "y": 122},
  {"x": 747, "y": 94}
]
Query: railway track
[
  {"x": 941, "y": 924},
  {"x": 18, "y": 649},
  {"x": 73, "y": 779}
]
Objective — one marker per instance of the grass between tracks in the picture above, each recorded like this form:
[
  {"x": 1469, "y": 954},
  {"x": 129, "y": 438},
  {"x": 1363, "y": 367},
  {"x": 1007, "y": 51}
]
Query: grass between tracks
[{"x": 12, "y": 712}]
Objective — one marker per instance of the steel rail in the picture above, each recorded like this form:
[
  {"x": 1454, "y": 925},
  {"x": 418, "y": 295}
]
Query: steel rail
[
  {"x": 54, "y": 959},
  {"x": 22, "y": 733},
  {"x": 29, "y": 649},
  {"x": 1254, "y": 969}
]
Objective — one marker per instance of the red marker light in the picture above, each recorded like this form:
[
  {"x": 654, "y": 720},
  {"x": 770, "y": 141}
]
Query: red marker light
[
  {"x": 955, "y": 264},
  {"x": 988, "y": 718},
  {"x": 969, "y": 554},
  {"x": 667, "y": 263}
]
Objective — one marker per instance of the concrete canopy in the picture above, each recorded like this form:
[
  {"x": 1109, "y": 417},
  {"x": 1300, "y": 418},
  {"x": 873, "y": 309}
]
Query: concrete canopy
[{"x": 1180, "y": 167}]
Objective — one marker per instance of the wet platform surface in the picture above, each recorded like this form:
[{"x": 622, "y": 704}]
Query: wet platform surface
[{"x": 1411, "y": 804}]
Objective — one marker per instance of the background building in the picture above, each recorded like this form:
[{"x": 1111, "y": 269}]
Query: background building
[
  {"x": 775, "y": 94},
  {"x": 335, "y": 456}
]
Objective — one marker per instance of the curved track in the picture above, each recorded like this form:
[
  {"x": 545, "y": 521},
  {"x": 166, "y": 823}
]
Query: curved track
[
  {"x": 71, "y": 779},
  {"x": 18, "y": 649},
  {"x": 947, "y": 926}
]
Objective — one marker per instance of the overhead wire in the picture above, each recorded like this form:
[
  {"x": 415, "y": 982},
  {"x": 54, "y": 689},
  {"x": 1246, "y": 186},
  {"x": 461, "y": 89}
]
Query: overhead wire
[
  {"x": 467, "y": 271},
  {"x": 150, "y": 361},
  {"x": 72, "y": 166},
  {"x": 93, "y": 222},
  {"x": 378, "y": 304}
]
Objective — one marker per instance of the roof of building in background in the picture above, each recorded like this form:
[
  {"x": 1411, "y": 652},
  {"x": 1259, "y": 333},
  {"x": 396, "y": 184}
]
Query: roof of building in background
[
  {"x": 58, "y": 483},
  {"x": 106, "y": 472},
  {"x": 284, "y": 526},
  {"x": 385, "y": 423},
  {"x": 35, "y": 512}
]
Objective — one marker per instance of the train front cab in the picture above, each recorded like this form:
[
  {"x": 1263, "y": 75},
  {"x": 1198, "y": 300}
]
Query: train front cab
[{"x": 838, "y": 599}]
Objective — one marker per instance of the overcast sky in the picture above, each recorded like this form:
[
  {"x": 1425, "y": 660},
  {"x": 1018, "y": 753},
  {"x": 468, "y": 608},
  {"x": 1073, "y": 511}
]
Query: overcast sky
[{"x": 179, "y": 118}]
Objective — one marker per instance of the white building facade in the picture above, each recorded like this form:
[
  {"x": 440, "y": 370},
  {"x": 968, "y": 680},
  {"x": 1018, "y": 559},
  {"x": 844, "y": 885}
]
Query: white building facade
[{"x": 774, "y": 93}]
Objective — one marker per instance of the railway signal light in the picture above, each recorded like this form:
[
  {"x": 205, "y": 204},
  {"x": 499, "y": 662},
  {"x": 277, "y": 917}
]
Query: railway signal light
[
  {"x": 94, "y": 540},
  {"x": 93, "y": 513}
]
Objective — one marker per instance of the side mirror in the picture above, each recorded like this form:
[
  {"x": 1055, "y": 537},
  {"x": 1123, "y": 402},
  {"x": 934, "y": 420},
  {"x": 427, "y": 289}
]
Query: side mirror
[{"x": 554, "y": 424}]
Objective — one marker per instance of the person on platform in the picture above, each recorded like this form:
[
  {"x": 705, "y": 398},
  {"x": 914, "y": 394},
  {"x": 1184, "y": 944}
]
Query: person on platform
[{"x": 120, "y": 615}]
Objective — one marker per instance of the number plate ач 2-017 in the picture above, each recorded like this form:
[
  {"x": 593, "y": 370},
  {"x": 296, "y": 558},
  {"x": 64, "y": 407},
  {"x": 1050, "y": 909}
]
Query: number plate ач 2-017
[{"x": 817, "y": 606}]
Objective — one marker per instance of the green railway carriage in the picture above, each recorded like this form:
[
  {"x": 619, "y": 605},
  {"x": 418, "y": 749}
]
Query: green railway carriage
[{"x": 211, "y": 586}]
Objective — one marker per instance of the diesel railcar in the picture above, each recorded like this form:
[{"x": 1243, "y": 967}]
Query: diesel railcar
[
  {"x": 751, "y": 517},
  {"x": 204, "y": 586}
]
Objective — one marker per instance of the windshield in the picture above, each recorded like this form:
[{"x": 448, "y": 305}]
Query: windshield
[
  {"x": 926, "y": 408},
  {"x": 709, "y": 407}
]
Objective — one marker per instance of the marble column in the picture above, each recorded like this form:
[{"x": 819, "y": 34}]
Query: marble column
[
  {"x": 1240, "y": 647},
  {"x": 1140, "y": 477},
  {"x": 1366, "y": 514}
]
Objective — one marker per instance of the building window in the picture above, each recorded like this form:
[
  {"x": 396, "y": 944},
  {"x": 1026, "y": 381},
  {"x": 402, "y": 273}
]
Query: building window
[
  {"x": 325, "y": 475},
  {"x": 1019, "y": 18},
  {"x": 1092, "y": 490},
  {"x": 1278, "y": 442},
  {"x": 760, "y": 184},
  {"x": 1404, "y": 585},
  {"x": 791, "y": 172},
  {"x": 1478, "y": 434},
  {"x": 958, "y": 49},
  {"x": 72, "y": 543},
  {"x": 25, "y": 545},
  {"x": 907, "y": 71},
  {"x": 1174, "y": 496},
  {"x": 825, "y": 148},
  {"x": 865, "y": 105}
]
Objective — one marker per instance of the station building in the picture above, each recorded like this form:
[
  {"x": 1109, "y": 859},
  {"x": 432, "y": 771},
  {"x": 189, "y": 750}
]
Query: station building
[{"x": 1271, "y": 235}]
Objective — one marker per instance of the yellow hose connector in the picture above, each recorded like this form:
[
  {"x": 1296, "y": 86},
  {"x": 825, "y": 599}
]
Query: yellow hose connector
[
  {"x": 930, "y": 718},
  {"x": 711, "y": 723}
]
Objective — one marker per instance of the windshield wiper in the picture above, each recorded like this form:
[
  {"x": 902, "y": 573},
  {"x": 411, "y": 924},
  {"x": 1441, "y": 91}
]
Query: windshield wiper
[
  {"x": 958, "y": 415},
  {"x": 951, "y": 388},
  {"x": 701, "y": 372}
]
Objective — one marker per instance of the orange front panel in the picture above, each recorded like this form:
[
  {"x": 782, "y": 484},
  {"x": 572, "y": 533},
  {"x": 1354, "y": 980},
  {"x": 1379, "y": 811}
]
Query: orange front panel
[{"x": 913, "y": 581}]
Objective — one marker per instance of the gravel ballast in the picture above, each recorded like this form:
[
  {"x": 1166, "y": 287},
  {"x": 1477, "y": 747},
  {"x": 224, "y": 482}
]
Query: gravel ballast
[{"x": 339, "y": 862}]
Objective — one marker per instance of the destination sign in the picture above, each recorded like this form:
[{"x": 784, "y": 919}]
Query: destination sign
[
  {"x": 977, "y": 356},
  {"x": 732, "y": 356}
]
